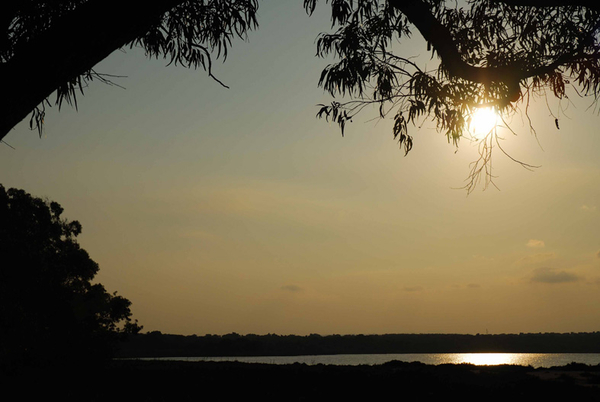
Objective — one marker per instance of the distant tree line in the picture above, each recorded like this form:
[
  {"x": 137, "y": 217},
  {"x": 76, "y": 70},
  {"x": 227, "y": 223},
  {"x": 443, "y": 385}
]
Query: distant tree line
[{"x": 157, "y": 344}]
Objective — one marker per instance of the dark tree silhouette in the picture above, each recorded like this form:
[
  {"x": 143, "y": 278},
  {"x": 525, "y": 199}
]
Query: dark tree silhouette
[
  {"x": 492, "y": 53},
  {"x": 53, "y": 45},
  {"x": 498, "y": 53},
  {"x": 50, "y": 312}
]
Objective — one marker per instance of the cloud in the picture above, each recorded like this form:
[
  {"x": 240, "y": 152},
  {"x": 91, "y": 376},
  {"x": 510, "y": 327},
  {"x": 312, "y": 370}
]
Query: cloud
[
  {"x": 587, "y": 208},
  {"x": 537, "y": 258},
  {"x": 466, "y": 286},
  {"x": 536, "y": 243},
  {"x": 413, "y": 289},
  {"x": 291, "y": 288},
  {"x": 598, "y": 254},
  {"x": 552, "y": 276}
]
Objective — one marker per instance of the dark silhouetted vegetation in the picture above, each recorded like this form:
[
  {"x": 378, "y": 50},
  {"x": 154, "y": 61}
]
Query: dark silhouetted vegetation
[
  {"x": 231, "y": 381},
  {"x": 51, "y": 314},
  {"x": 72, "y": 36},
  {"x": 500, "y": 54},
  {"x": 156, "y": 344},
  {"x": 494, "y": 53}
]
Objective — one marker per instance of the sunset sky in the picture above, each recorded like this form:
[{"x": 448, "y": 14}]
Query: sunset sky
[{"x": 221, "y": 210}]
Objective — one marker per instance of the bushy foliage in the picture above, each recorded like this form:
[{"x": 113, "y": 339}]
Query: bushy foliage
[{"x": 50, "y": 311}]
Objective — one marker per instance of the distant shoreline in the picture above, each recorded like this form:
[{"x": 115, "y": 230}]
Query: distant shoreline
[
  {"x": 535, "y": 360},
  {"x": 156, "y": 344}
]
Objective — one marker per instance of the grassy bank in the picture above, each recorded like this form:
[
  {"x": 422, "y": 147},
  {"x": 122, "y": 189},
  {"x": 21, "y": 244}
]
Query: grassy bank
[{"x": 232, "y": 381}]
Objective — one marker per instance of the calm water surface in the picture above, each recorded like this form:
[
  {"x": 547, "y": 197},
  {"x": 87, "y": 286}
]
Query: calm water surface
[{"x": 523, "y": 359}]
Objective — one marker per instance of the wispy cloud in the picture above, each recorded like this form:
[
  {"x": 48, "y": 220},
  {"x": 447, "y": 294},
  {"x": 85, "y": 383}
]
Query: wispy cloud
[
  {"x": 533, "y": 243},
  {"x": 291, "y": 288},
  {"x": 462, "y": 286},
  {"x": 413, "y": 288},
  {"x": 598, "y": 254},
  {"x": 588, "y": 208},
  {"x": 553, "y": 276},
  {"x": 537, "y": 258}
]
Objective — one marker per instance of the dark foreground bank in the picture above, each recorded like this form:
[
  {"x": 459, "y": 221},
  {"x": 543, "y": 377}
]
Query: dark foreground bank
[{"x": 132, "y": 380}]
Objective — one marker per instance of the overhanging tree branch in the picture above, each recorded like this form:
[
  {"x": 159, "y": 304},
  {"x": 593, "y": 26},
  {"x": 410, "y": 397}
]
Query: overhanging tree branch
[
  {"x": 70, "y": 48},
  {"x": 591, "y": 4},
  {"x": 53, "y": 45},
  {"x": 440, "y": 38},
  {"x": 491, "y": 53}
]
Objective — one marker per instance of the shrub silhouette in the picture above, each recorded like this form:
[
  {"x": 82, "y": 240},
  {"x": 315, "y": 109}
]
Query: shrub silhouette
[{"x": 50, "y": 312}]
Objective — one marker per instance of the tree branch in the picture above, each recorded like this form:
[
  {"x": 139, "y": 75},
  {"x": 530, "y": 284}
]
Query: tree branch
[
  {"x": 440, "y": 38},
  {"x": 70, "y": 48},
  {"x": 591, "y": 4}
]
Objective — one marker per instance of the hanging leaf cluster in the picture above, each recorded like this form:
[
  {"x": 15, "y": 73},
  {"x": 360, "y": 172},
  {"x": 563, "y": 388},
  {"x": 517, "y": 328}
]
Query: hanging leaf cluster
[
  {"x": 191, "y": 34},
  {"x": 490, "y": 53}
]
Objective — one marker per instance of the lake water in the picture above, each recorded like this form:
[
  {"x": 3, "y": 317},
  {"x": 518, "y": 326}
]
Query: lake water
[{"x": 536, "y": 360}]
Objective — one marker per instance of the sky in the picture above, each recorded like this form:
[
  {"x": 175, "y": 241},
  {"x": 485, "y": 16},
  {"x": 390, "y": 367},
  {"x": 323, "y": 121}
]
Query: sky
[{"x": 220, "y": 210}]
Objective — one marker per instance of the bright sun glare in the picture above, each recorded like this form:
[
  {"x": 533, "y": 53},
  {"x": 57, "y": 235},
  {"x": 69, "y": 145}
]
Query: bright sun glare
[
  {"x": 489, "y": 359},
  {"x": 484, "y": 120}
]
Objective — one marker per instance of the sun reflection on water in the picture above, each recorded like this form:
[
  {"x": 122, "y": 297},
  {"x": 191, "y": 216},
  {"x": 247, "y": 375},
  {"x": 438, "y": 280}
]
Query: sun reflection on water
[{"x": 489, "y": 359}]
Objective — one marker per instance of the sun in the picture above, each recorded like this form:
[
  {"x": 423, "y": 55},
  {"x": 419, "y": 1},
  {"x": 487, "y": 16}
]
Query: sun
[{"x": 483, "y": 121}]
